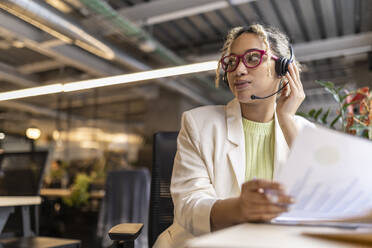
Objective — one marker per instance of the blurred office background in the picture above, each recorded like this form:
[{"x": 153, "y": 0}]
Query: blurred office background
[{"x": 94, "y": 131}]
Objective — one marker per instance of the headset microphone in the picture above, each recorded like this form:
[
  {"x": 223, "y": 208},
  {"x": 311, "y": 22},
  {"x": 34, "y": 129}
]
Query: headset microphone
[
  {"x": 253, "y": 97},
  {"x": 281, "y": 68}
]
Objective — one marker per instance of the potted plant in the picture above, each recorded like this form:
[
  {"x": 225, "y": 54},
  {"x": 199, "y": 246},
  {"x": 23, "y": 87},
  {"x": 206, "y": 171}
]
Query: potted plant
[{"x": 354, "y": 111}]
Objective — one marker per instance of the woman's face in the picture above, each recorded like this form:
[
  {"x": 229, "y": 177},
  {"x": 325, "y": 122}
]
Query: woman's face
[{"x": 244, "y": 82}]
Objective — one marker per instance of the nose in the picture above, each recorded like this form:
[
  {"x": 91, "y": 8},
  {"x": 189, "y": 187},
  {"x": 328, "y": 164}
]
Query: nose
[{"x": 241, "y": 69}]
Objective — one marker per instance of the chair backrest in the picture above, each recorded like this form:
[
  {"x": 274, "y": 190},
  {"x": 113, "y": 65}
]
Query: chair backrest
[
  {"x": 126, "y": 200},
  {"x": 161, "y": 205},
  {"x": 21, "y": 173}
]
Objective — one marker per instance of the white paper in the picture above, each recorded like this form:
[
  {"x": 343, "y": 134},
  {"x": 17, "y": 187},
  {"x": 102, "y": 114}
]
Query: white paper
[{"x": 329, "y": 174}]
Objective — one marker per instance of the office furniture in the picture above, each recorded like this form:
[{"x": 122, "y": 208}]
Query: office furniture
[
  {"x": 20, "y": 183},
  {"x": 269, "y": 236},
  {"x": 7, "y": 205},
  {"x": 50, "y": 192},
  {"x": 126, "y": 201},
  {"x": 161, "y": 205}
]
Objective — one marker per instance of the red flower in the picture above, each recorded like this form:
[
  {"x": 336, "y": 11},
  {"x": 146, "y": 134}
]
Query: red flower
[
  {"x": 349, "y": 109},
  {"x": 349, "y": 121},
  {"x": 360, "y": 95}
]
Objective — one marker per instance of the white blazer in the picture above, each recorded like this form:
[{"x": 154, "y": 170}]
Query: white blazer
[{"x": 210, "y": 165}]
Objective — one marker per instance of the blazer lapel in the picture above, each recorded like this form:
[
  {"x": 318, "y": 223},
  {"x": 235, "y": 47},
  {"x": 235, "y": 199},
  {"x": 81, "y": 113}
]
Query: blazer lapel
[
  {"x": 281, "y": 149},
  {"x": 235, "y": 135}
]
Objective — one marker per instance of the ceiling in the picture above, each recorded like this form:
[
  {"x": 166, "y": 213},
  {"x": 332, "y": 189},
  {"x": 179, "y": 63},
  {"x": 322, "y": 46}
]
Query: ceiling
[{"x": 43, "y": 42}]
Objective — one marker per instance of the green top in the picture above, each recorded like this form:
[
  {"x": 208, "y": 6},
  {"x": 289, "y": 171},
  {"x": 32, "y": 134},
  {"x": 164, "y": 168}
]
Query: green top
[{"x": 259, "y": 149}]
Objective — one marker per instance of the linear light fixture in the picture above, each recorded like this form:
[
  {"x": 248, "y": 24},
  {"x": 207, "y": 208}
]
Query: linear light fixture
[{"x": 106, "y": 81}]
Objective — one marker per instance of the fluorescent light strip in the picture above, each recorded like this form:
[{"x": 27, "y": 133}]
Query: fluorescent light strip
[
  {"x": 100, "y": 82},
  {"x": 35, "y": 91}
]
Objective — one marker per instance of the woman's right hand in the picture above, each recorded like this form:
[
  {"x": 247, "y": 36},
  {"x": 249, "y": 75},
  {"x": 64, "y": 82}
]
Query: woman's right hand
[{"x": 262, "y": 200}]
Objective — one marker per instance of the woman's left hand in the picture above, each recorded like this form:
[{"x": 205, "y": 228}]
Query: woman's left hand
[{"x": 292, "y": 95}]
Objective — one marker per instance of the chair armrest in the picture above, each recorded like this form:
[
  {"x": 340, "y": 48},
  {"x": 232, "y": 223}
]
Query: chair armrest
[{"x": 125, "y": 232}]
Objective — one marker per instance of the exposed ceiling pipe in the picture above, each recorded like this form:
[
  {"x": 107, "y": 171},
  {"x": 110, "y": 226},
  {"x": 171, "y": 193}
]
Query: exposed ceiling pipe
[
  {"x": 135, "y": 34},
  {"x": 52, "y": 23},
  {"x": 143, "y": 39},
  {"x": 46, "y": 19},
  {"x": 41, "y": 16}
]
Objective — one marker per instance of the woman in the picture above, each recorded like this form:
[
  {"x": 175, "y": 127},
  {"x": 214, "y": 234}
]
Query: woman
[{"x": 228, "y": 156}]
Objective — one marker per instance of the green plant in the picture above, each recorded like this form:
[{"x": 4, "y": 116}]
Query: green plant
[
  {"x": 353, "y": 112},
  {"x": 79, "y": 191}
]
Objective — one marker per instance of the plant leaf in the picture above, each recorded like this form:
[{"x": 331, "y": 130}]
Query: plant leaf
[
  {"x": 326, "y": 84},
  {"x": 325, "y": 116},
  {"x": 311, "y": 113},
  {"x": 318, "y": 113},
  {"x": 305, "y": 115},
  {"x": 334, "y": 121}
]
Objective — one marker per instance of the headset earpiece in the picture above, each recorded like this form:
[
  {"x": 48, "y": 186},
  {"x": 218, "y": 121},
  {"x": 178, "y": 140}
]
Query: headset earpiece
[{"x": 282, "y": 64}]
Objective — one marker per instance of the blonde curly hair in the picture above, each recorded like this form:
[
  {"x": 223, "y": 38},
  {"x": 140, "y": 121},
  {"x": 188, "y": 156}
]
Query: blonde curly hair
[{"x": 276, "y": 43}]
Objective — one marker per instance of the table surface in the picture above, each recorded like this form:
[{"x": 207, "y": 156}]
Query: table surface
[
  {"x": 264, "y": 235},
  {"x": 9, "y": 201},
  {"x": 66, "y": 192}
]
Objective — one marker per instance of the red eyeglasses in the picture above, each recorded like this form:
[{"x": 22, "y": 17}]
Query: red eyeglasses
[{"x": 251, "y": 59}]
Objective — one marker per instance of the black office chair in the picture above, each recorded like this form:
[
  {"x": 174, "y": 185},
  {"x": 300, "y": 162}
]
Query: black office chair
[
  {"x": 127, "y": 196},
  {"x": 161, "y": 205}
]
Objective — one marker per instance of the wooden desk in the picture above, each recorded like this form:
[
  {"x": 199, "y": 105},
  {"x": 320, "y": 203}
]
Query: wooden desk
[
  {"x": 96, "y": 194},
  {"x": 268, "y": 236},
  {"x": 11, "y": 201},
  {"x": 7, "y": 204}
]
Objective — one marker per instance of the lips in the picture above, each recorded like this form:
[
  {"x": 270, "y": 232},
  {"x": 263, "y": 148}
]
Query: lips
[{"x": 241, "y": 84}]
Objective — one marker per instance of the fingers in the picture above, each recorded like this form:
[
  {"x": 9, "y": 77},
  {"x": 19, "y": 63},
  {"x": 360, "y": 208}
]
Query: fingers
[
  {"x": 262, "y": 200},
  {"x": 263, "y": 211},
  {"x": 285, "y": 91},
  {"x": 292, "y": 71},
  {"x": 254, "y": 185},
  {"x": 291, "y": 80},
  {"x": 264, "y": 192},
  {"x": 295, "y": 75},
  {"x": 277, "y": 197}
]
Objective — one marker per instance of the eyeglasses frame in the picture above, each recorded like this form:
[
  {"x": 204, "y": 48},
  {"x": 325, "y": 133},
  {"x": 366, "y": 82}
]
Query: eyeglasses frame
[{"x": 241, "y": 56}]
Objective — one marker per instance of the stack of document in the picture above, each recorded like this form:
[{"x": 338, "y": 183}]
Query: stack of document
[{"x": 329, "y": 174}]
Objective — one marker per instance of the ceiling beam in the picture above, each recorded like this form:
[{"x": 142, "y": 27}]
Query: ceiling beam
[
  {"x": 11, "y": 74},
  {"x": 39, "y": 66},
  {"x": 66, "y": 54},
  {"x": 167, "y": 10},
  {"x": 334, "y": 47},
  {"x": 11, "y": 26},
  {"x": 320, "y": 49}
]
